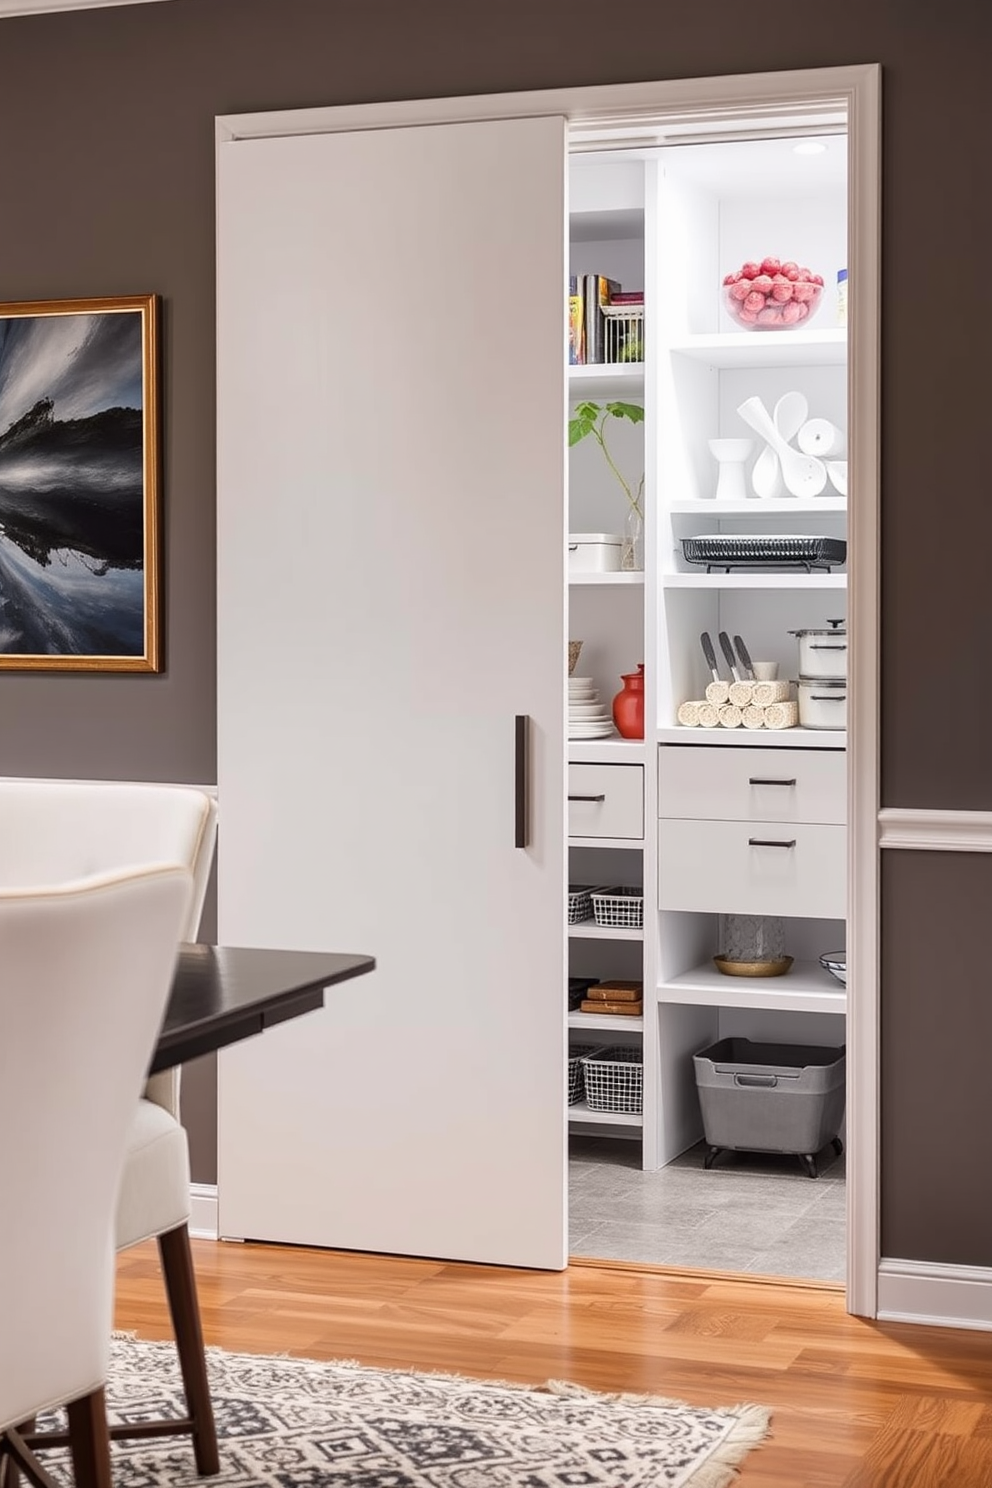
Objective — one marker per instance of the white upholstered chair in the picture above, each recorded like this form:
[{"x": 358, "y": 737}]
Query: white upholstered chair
[
  {"x": 85, "y": 973},
  {"x": 54, "y": 830}
]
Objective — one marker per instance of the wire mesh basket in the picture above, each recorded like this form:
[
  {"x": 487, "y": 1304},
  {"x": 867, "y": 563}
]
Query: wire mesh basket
[
  {"x": 614, "y": 1079},
  {"x": 620, "y": 909},
  {"x": 579, "y": 903},
  {"x": 576, "y": 1082},
  {"x": 623, "y": 333}
]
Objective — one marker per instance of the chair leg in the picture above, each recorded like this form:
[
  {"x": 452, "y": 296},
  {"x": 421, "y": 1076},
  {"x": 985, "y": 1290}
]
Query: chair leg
[
  {"x": 90, "y": 1441},
  {"x": 180, "y": 1286},
  {"x": 10, "y": 1475}
]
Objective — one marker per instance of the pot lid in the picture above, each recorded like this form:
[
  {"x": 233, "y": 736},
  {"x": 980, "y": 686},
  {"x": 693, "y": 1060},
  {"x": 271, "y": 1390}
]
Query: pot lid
[
  {"x": 822, "y": 681},
  {"x": 832, "y": 628}
]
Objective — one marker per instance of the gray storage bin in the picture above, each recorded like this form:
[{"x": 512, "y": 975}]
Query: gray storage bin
[{"x": 770, "y": 1097}]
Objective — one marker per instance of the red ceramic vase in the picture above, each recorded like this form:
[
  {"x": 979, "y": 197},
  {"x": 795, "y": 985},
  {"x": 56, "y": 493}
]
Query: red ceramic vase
[{"x": 628, "y": 705}]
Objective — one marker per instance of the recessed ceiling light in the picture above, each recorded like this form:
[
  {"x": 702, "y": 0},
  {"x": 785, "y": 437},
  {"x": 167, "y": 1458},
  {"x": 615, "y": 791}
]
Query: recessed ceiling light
[{"x": 809, "y": 147}]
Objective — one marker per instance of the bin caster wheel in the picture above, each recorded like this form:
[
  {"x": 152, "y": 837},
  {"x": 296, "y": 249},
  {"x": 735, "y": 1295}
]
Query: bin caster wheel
[
  {"x": 809, "y": 1163},
  {"x": 837, "y": 1145},
  {"x": 712, "y": 1153}
]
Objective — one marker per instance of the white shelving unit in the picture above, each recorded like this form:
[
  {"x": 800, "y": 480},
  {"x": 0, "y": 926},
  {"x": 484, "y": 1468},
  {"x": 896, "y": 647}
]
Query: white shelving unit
[
  {"x": 705, "y": 210},
  {"x": 612, "y": 580}
]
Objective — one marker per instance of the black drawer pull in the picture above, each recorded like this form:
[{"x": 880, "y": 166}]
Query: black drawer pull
[
  {"x": 763, "y": 842},
  {"x": 754, "y": 780},
  {"x": 587, "y": 798}
]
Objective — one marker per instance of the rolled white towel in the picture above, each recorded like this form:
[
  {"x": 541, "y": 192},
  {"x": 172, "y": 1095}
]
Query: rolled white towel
[
  {"x": 782, "y": 715},
  {"x": 688, "y": 715},
  {"x": 730, "y": 716},
  {"x": 770, "y": 692},
  {"x": 717, "y": 693},
  {"x": 754, "y": 717},
  {"x": 818, "y": 436},
  {"x": 741, "y": 693},
  {"x": 709, "y": 716}
]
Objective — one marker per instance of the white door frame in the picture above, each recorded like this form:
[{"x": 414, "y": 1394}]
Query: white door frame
[{"x": 747, "y": 104}]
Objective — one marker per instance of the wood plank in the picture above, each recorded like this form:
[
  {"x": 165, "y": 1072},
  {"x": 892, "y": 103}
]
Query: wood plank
[{"x": 855, "y": 1404}]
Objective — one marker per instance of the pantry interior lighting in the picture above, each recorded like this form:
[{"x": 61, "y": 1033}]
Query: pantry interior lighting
[{"x": 809, "y": 147}]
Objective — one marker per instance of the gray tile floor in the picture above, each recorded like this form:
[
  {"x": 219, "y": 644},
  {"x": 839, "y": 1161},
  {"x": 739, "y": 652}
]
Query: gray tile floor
[{"x": 751, "y": 1212}]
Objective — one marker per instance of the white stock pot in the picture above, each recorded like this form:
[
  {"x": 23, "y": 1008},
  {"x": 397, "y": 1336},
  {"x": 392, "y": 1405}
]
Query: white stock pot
[
  {"x": 823, "y": 651},
  {"x": 823, "y": 702}
]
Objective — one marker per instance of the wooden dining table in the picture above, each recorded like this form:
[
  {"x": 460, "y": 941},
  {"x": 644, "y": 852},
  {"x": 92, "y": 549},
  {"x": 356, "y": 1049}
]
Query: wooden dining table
[{"x": 223, "y": 994}]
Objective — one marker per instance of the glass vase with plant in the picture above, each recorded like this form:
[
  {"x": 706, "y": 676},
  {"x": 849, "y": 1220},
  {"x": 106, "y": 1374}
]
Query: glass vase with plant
[{"x": 593, "y": 418}]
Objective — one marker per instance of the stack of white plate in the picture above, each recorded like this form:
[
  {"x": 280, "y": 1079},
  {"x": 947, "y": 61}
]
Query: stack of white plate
[{"x": 588, "y": 717}]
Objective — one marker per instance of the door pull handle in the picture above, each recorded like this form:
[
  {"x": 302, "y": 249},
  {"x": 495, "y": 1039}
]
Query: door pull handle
[
  {"x": 764, "y": 842},
  {"x": 521, "y": 779},
  {"x": 587, "y": 798},
  {"x": 756, "y": 780}
]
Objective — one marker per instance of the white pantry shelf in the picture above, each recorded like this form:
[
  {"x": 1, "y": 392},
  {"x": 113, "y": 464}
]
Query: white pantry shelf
[
  {"x": 806, "y": 987},
  {"x": 614, "y": 381},
  {"x": 792, "y": 506},
  {"x": 614, "y": 1022},
  {"x": 581, "y": 1112},
  {"x": 606, "y": 751},
  {"x": 794, "y": 738},
  {"x": 767, "y": 349},
  {"x": 634, "y": 844},
  {"x": 589, "y": 930},
  {"x": 622, "y": 576},
  {"x": 793, "y": 579}
]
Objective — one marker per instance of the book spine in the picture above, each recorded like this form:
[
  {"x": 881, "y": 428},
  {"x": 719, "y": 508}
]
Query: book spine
[
  {"x": 597, "y": 290},
  {"x": 576, "y": 324},
  {"x": 615, "y": 1009}
]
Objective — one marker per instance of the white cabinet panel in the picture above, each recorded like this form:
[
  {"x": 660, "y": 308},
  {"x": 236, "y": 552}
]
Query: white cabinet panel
[
  {"x": 372, "y": 496},
  {"x": 739, "y": 867},
  {"x": 776, "y": 785},
  {"x": 606, "y": 801}
]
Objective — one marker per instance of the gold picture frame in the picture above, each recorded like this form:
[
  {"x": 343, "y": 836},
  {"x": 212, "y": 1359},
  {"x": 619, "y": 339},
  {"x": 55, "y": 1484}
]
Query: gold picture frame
[{"x": 80, "y": 485}]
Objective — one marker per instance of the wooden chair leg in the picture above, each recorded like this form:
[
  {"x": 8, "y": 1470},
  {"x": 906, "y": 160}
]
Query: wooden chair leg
[
  {"x": 180, "y": 1286},
  {"x": 89, "y": 1441},
  {"x": 10, "y": 1476}
]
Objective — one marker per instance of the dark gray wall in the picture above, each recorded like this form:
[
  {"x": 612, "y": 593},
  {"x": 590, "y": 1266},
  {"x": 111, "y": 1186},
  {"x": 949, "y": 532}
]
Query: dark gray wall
[{"x": 106, "y": 132}]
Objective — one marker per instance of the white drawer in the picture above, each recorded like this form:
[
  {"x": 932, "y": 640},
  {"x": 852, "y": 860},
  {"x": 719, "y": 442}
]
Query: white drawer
[
  {"x": 730, "y": 784},
  {"x": 606, "y": 801},
  {"x": 724, "y": 867}
]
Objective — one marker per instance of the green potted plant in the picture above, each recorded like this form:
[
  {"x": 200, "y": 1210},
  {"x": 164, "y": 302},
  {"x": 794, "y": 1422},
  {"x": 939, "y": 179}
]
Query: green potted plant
[{"x": 593, "y": 418}]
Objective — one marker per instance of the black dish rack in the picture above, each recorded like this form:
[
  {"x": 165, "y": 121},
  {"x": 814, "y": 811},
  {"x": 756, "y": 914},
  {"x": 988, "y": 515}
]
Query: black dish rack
[{"x": 735, "y": 550}]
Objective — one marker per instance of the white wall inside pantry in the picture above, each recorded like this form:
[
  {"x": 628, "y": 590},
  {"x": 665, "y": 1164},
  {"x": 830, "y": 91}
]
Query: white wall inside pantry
[{"x": 609, "y": 621}]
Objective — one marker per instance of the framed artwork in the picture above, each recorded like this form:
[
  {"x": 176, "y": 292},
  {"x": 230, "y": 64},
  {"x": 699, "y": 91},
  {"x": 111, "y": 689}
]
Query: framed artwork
[{"x": 79, "y": 485}]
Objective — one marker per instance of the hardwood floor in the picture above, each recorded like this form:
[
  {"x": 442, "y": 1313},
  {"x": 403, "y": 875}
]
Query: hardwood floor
[{"x": 855, "y": 1404}]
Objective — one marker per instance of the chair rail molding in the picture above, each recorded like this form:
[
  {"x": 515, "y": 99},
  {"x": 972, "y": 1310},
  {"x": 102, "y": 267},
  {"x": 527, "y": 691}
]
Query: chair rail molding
[
  {"x": 923, "y": 830},
  {"x": 41, "y": 7}
]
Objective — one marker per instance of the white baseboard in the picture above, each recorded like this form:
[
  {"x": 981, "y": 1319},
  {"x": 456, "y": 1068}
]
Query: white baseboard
[
  {"x": 203, "y": 1211},
  {"x": 928, "y": 1292}
]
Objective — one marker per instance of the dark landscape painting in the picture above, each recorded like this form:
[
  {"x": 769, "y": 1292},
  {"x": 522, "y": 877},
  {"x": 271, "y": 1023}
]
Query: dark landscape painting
[{"x": 78, "y": 505}]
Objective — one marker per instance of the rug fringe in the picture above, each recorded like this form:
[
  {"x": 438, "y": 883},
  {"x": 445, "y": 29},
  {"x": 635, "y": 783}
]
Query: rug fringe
[{"x": 748, "y": 1432}]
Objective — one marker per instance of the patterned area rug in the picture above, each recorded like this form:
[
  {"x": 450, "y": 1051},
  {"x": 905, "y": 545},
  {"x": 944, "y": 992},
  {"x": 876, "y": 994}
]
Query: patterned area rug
[{"x": 291, "y": 1423}]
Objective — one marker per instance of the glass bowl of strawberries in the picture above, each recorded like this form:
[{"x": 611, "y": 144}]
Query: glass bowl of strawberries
[{"x": 771, "y": 295}]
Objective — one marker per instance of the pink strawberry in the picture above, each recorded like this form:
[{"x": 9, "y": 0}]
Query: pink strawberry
[
  {"x": 803, "y": 291},
  {"x": 781, "y": 291},
  {"x": 770, "y": 265},
  {"x": 763, "y": 284},
  {"x": 729, "y": 278},
  {"x": 749, "y": 317},
  {"x": 792, "y": 312},
  {"x": 750, "y": 270},
  {"x": 790, "y": 270},
  {"x": 754, "y": 302},
  {"x": 741, "y": 289},
  {"x": 817, "y": 279},
  {"x": 804, "y": 275},
  {"x": 803, "y": 311}
]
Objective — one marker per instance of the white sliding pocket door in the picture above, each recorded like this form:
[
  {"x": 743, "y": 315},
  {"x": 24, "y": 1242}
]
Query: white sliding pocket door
[{"x": 391, "y": 596}]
